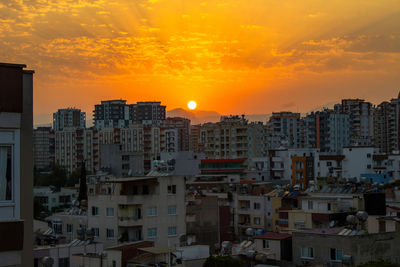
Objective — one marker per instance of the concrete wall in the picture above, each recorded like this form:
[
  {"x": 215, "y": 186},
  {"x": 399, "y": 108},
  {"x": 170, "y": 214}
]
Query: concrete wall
[{"x": 362, "y": 248}]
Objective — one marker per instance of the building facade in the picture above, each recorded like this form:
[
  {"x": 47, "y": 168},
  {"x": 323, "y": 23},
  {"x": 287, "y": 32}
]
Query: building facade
[
  {"x": 67, "y": 118},
  {"x": 16, "y": 165},
  {"x": 43, "y": 148}
]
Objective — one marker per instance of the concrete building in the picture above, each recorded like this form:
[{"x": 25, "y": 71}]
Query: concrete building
[
  {"x": 130, "y": 209},
  {"x": 232, "y": 137},
  {"x": 361, "y": 121},
  {"x": 284, "y": 130},
  {"x": 327, "y": 130},
  {"x": 111, "y": 114},
  {"x": 63, "y": 253},
  {"x": 358, "y": 160},
  {"x": 69, "y": 118},
  {"x": 121, "y": 163},
  {"x": 186, "y": 163},
  {"x": 275, "y": 246},
  {"x": 69, "y": 223},
  {"x": 147, "y": 113},
  {"x": 342, "y": 246},
  {"x": 385, "y": 126},
  {"x": 54, "y": 199},
  {"x": 177, "y": 134},
  {"x": 16, "y": 165},
  {"x": 43, "y": 148},
  {"x": 76, "y": 146}
]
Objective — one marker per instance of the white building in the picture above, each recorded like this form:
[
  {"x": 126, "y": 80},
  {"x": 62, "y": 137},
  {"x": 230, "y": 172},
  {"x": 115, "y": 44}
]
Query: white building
[
  {"x": 16, "y": 165},
  {"x": 131, "y": 209}
]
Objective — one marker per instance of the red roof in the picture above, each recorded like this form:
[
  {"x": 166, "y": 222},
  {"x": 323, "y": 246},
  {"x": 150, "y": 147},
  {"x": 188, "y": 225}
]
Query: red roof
[{"x": 274, "y": 236}]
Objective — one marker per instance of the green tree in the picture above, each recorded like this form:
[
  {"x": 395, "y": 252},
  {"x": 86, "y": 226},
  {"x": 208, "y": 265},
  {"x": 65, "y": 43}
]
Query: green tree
[
  {"x": 57, "y": 177},
  {"x": 39, "y": 211},
  {"x": 221, "y": 261}
]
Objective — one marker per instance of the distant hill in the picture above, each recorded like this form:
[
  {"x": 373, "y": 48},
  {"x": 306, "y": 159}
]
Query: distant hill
[{"x": 203, "y": 116}]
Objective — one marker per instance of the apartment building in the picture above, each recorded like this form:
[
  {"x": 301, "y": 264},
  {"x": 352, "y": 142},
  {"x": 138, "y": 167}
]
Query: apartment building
[
  {"x": 67, "y": 118},
  {"x": 177, "y": 134},
  {"x": 119, "y": 114},
  {"x": 43, "y": 148},
  {"x": 111, "y": 114},
  {"x": 16, "y": 165},
  {"x": 150, "y": 208},
  {"x": 53, "y": 199},
  {"x": 233, "y": 137},
  {"x": 284, "y": 130},
  {"x": 147, "y": 113},
  {"x": 327, "y": 130},
  {"x": 75, "y": 146},
  {"x": 386, "y": 126},
  {"x": 361, "y": 120}
]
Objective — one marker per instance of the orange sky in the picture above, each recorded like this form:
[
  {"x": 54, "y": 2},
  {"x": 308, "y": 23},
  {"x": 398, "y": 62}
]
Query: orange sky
[{"x": 236, "y": 56}]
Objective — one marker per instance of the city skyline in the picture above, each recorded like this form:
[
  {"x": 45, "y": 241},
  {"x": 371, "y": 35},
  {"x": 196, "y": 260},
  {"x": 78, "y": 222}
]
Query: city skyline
[{"x": 230, "y": 57}]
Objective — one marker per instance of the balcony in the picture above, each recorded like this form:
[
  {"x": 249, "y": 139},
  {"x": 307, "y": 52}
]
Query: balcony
[
  {"x": 124, "y": 221},
  {"x": 133, "y": 199}
]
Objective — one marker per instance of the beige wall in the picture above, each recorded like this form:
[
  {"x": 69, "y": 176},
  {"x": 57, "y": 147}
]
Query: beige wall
[{"x": 274, "y": 249}]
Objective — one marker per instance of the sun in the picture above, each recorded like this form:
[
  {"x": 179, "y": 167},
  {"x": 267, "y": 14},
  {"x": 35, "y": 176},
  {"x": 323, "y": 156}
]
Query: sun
[{"x": 192, "y": 105}]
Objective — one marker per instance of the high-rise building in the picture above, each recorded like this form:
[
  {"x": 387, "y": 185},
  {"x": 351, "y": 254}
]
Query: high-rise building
[
  {"x": 119, "y": 114},
  {"x": 43, "y": 148},
  {"x": 385, "y": 126},
  {"x": 111, "y": 114},
  {"x": 284, "y": 130},
  {"x": 147, "y": 113},
  {"x": 16, "y": 165},
  {"x": 67, "y": 118},
  {"x": 76, "y": 146},
  {"x": 327, "y": 130},
  {"x": 177, "y": 134},
  {"x": 233, "y": 137},
  {"x": 361, "y": 120}
]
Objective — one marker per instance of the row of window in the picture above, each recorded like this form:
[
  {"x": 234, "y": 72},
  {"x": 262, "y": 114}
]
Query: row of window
[
  {"x": 335, "y": 254},
  {"x": 152, "y": 232},
  {"x": 151, "y": 211}
]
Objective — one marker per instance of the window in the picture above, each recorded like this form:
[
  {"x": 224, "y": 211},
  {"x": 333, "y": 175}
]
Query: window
[
  {"x": 329, "y": 206},
  {"x": 368, "y": 155},
  {"x": 257, "y": 220},
  {"x": 110, "y": 212},
  {"x": 336, "y": 254},
  {"x": 57, "y": 227},
  {"x": 145, "y": 190},
  {"x": 257, "y": 206},
  {"x": 110, "y": 233},
  {"x": 95, "y": 211},
  {"x": 328, "y": 163},
  {"x": 172, "y": 231},
  {"x": 5, "y": 173},
  {"x": 172, "y": 210},
  {"x": 265, "y": 243},
  {"x": 69, "y": 228},
  {"x": 63, "y": 262},
  {"x": 310, "y": 205},
  {"x": 307, "y": 252},
  {"x": 172, "y": 189},
  {"x": 152, "y": 232},
  {"x": 152, "y": 211},
  {"x": 96, "y": 232}
]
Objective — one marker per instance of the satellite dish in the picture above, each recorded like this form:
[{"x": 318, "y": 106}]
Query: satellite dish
[
  {"x": 249, "y": 231},
  {"x": 362, "y": 216},
  {"x": 351, "y": 219}
]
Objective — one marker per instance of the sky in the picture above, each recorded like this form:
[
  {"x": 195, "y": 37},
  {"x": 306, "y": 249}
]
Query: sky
[{"x": 230, "y": 56}]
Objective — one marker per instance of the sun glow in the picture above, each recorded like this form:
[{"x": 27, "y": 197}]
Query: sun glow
[{"x": 192, "y": 105}]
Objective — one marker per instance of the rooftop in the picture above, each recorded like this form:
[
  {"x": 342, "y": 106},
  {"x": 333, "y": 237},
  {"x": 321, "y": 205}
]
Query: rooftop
[{"x": 274, "y": 236}]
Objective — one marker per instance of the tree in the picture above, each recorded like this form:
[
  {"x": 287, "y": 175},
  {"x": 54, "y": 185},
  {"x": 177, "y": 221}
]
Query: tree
[
  {"x": 221, "y": 261},
  {"x": 57, "y": 177},
  {"x": 82, "y": 183}
]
